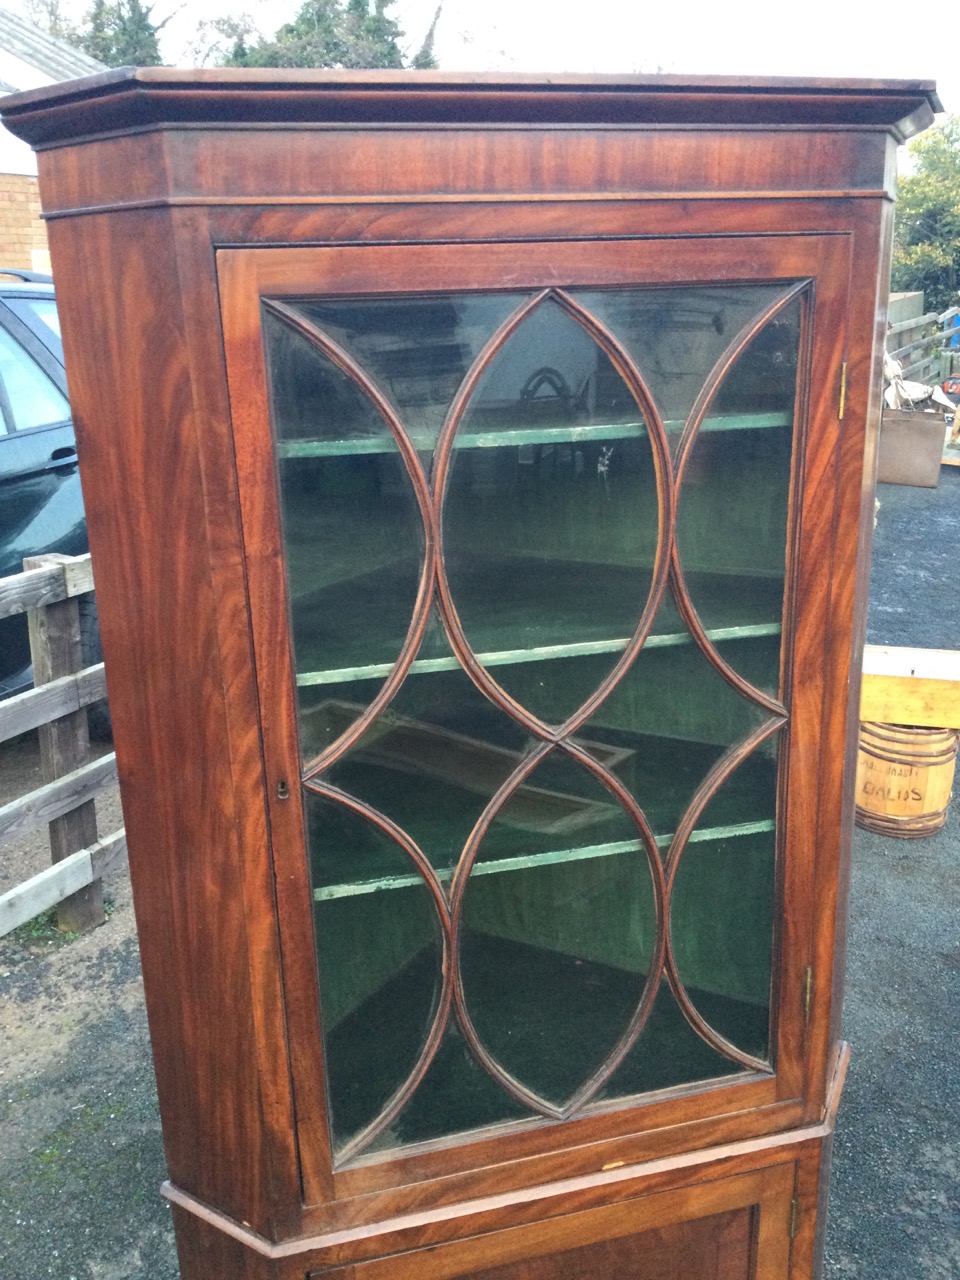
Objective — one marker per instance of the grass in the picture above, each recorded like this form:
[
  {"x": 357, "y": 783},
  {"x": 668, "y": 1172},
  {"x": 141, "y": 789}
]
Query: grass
[{"x": 43, "y": 932}]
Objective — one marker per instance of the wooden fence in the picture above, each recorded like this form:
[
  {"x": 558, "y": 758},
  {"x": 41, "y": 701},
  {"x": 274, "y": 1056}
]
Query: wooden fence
[
  {"x": 48, "y": 592},
  {"x": 921, "y": 346}
]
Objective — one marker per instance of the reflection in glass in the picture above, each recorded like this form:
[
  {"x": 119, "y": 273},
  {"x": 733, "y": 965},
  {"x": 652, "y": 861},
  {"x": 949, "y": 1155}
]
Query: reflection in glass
[
  {"x": 676, "y": 336},
  {"x": 416, "y": 350}
]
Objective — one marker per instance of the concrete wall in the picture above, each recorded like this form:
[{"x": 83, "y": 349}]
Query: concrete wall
[{"x": 904, "y": 306}]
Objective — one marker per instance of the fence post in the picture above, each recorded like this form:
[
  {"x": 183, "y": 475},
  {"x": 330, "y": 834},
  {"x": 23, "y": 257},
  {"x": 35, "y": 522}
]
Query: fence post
[{"x": 65, "y": 744}]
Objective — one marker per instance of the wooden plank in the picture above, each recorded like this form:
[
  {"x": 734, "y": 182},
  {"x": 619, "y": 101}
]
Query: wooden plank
[
  {"x": 44, "y": 890},
  {"x": 56, "y": 651},
  {"x": 77, "y": 575},
  {"x": 911, "y": 686},
  {"x": 51, "y": 885},
  {"x": 904, "y": 326},
  {"x": 23, "y": 591},
  {"x": 931, "y": 340},
  {"x": 108, "y": 853},
  {"x": 58, "y": 698},
  {"x": 67, "y": 576},
  {"x": 56, "y": 798}
]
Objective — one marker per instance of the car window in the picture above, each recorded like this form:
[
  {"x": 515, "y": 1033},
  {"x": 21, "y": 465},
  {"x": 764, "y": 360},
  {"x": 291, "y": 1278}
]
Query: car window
[
  {"x": 41, "y": 317},
  {"x": 28, "y": 398}
]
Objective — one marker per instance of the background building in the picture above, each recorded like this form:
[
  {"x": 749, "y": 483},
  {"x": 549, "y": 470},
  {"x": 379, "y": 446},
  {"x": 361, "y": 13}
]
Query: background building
[{"x": 29, "y": 58}]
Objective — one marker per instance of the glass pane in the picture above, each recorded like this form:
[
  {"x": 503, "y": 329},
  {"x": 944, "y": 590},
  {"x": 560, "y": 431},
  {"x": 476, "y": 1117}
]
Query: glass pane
[
  {"x": 416, "y": 350},
  {"x": 722, "y": 926},
  {"x": 353, "y": 580},
  {"x": 549, "y": 530},
  {"x": 722, "y": 912},
  {"x": 550, "y": 520},
  {"x": 732, "y": 515},
  {"x": 40, "y": 315},
  {"x": 669, "y": 1052},
  {"x": 455, "y": 1095},
  {"x": 432, "y": 762},
  {"x": 378, "y": 1000},
  {"x": 676, "y": 336},
  {"x": 554, "y": 955},
  {"x": 671, "y": 719},
  {"x": 436, "y": 758},
  {"x": 29, "y": 397}
]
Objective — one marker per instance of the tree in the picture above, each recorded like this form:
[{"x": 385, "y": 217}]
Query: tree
[
  {"x": 424, "y": 59},
  {"x": 97, "y": 38},
  {"x": 47, "y": 14},
  {"x": 215, "y": 39},
  {"x": 927, "y": 233},
  {"x": 118, "y": 33},
  {"x": 334, "y": 33}
]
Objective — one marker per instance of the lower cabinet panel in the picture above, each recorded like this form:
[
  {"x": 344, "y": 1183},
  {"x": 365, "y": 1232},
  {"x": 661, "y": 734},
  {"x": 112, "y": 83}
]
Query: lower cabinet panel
[
  {"x": 728, "y": 1228},
  {"x": 716, "y": 1248}
]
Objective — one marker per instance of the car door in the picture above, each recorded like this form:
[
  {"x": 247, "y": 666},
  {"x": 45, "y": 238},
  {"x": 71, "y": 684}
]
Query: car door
[{"x": 41, "y": 506}]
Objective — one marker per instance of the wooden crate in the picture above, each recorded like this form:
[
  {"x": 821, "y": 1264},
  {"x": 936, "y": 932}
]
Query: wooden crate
[{"x": 911, "y": 447}]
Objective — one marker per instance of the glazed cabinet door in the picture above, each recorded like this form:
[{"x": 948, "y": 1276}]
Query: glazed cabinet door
[{"x": 540, "y": 644}]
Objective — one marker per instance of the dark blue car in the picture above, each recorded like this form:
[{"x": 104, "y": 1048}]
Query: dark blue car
[{"x": 41, "y": 506}]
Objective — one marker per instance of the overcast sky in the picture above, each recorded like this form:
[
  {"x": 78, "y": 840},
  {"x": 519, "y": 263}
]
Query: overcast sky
[{"x": 845, "y": 38}]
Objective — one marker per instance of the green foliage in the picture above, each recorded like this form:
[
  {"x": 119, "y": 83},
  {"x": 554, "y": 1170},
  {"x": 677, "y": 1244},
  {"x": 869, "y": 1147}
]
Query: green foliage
[
  {"x": 424, "y": 59},
  {"x": 334, "y": 33},
  {"x": 927, "y": 237},
  {"x": 120, "y": 33},
  {"x": 97, "y": 39},
  {"x": 324, "y": 33}
]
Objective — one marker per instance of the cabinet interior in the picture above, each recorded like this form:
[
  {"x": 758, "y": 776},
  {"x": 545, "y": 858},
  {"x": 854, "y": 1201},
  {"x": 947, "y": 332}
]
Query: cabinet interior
[{"x": 555, "y": 483}]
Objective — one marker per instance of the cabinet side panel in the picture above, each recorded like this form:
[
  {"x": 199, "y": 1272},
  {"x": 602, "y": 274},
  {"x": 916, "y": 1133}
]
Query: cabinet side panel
[
  {"x": 872, "y": 250},
  {"x": 849, "y": 532},
  {"x": 132, "y": 400}
]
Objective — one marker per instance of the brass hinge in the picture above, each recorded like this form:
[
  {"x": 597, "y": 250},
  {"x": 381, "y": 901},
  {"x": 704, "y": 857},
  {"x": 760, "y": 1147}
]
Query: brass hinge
[
  {"x": 807, "y": 990},
  {"x": 843, "y": 390},
  {"x": 794, "y": 1218}
]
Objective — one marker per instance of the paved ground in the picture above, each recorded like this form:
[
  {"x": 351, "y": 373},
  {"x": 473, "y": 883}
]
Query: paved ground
[
  {"x": 81, "y": 1155},
  {"x": 895, "y": 1196}
]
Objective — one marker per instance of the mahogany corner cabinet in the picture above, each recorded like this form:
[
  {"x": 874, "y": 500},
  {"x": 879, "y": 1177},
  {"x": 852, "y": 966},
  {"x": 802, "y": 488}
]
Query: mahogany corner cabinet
[{"x": 476, "y": 474}]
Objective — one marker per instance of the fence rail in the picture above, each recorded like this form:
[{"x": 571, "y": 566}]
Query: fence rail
[
  {"x": 934, "y": 332},
  {"x": 47, "y": 591}
]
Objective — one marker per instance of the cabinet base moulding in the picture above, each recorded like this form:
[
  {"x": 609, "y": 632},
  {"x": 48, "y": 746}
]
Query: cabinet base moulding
[{"x": 741, "y": 1202}]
